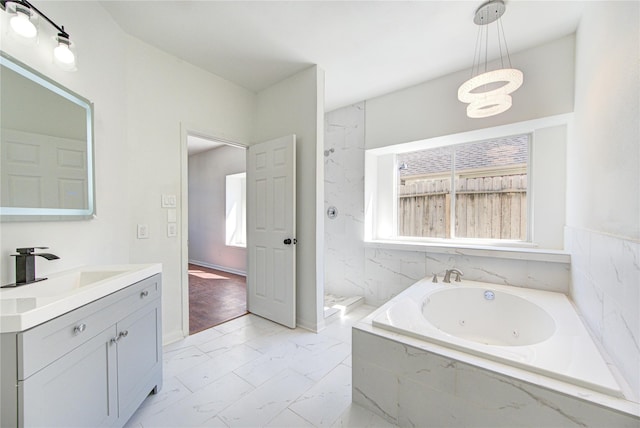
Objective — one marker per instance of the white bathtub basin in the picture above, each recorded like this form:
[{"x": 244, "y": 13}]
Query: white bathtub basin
[
  {"x": 488, "y": 316},
  {"x": 535, "y": 330},
  {"x": 28, "y": 305}
]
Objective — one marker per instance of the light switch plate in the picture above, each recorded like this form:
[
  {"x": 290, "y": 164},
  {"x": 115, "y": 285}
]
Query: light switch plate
[
  {"x": 172, "y": 230},
  {"x": 172, "y": 215},
  {"x": 169, "y": 201},
  {"x": 143, "y": 231}
]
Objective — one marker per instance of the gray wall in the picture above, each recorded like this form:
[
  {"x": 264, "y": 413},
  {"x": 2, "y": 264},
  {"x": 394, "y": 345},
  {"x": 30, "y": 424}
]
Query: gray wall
[{"x": 207, "y": 190}]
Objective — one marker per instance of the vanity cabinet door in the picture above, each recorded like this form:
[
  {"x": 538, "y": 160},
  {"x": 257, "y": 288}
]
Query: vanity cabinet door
[
  {"x": 78, "y": 389},
  {"x": 139, "y": 357}
]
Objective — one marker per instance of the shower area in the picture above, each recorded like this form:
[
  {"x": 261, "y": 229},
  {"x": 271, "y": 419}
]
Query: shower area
[{"x": 345, "y": 284}]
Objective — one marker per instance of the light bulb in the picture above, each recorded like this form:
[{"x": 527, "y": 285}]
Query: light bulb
[
  {"x": 63, "y": 54},
  {"x": 21, "y": 23}
]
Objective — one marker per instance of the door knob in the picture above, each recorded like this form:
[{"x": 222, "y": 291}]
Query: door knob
[{"x": 287, "y": 241}]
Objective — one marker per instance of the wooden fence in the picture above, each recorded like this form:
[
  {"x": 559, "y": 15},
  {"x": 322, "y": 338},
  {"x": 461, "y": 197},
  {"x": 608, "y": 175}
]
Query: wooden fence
[{"x": 485, "y": 207}]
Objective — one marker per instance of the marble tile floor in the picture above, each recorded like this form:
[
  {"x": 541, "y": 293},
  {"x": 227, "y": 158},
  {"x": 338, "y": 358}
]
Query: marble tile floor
[{"x": 250, "y": 372}]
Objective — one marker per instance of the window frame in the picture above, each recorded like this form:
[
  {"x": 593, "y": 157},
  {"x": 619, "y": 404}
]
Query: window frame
[
  {"x": 546, "y": 198},
  {"x": 452, "y": 238}
]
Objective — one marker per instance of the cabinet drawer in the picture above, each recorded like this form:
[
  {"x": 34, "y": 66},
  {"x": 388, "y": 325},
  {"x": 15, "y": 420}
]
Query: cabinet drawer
[{"x": 43, "y": 344}]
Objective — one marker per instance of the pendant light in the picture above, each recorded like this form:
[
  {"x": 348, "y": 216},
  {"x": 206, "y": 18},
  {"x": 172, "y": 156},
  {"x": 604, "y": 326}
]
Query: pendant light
[{"x": 487, "y": 91}]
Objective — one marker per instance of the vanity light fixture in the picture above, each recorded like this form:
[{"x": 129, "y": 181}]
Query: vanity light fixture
[
  {"x": 22, "y": 22},
  {"x": 487, "y": 92}
]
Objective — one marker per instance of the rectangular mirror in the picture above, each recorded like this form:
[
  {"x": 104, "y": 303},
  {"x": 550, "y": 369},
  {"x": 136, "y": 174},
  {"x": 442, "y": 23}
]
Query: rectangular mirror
[{"x": 46, "y": 147}]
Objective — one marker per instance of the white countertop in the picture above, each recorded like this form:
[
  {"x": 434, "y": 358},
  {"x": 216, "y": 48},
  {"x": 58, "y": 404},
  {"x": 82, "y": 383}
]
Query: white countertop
[{"x": 28, "y": 305}]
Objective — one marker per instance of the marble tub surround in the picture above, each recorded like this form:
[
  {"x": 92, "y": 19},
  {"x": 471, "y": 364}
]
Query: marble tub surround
[
  {"x": 605, "y": 286},
  {"x": 390, "y": 271},
  {"x": 535, "y": 330},
  {"x": 411, "y": 382}
]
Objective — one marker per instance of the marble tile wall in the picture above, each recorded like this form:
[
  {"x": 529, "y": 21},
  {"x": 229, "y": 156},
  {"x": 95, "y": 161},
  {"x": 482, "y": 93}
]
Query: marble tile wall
[
  {"x": 409, "y": 386},
  {"x": 353, "y": 269},
  {"x": 344, "y": 189},
  {"x": 605, "y": 286},
  {"x": 388, "y": 272}
]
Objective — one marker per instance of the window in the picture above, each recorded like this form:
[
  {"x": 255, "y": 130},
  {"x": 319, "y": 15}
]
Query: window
[
  {"x": 488, "y": 198},
  {"x": 236, "y": 210},
  {"x": 492, "y": 187}
]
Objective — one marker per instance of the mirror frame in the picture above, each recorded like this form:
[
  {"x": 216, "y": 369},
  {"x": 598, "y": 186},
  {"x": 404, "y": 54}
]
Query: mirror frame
[{"x": 45, "y": 213}]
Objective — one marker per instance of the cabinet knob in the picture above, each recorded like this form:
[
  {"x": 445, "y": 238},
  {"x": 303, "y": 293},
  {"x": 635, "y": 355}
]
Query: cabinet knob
[
  {"x": 144, "y": 294},
  {"x": 114, "y": 340},
  {"x": 79, "y": 328}
]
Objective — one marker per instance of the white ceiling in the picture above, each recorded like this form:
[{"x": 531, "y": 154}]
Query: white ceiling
[
  {"x": 197, "y": 145},
  {"x": 367, "y": 48}
]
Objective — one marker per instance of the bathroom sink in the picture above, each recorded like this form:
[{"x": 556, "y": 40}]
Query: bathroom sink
[
  {"x": 28, "y": 305},
  {"x": 60, "y": 284}
]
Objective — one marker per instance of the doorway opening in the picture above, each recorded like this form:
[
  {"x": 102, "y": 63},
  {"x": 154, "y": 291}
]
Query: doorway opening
[
  {"x": 215, "y": 297},
  {"x": 217, "y": 258}
]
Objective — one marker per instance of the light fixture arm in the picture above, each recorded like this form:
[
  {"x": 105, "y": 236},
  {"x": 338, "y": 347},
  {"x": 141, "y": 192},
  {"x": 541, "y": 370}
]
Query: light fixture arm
[{"x": 61, "y": 30}]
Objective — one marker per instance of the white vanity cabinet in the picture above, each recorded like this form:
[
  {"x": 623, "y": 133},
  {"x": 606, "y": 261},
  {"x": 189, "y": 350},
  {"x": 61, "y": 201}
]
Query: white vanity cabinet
[{"x": 90, "y": 367}]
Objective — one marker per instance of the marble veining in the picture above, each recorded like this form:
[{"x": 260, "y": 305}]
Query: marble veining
[
  {"x": 353, "y": 268},
  {"x": 605, "y": 285},
  {"x": 250, "y": 372},
  {"x": 344, "y": 187},
  {"x": 416, "y": 384}
]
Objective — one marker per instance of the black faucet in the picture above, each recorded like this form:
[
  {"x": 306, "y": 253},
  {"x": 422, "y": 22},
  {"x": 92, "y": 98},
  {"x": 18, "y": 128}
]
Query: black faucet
[{"x": 26, "y": 265}]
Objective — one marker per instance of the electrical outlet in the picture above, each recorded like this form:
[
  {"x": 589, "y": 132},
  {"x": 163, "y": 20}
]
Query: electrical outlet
[
  {"x": 172, "y": 230},
  {"x": 143, "y": 231}
]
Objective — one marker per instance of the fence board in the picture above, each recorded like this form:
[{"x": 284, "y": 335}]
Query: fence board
[{"x": 485, "y": 207}]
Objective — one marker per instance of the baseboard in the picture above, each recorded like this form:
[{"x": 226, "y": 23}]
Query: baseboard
[
  {"x": 216, "y": 267},
  {"x": 312, "y": 327},
  {"x": 174, "y": 336}
]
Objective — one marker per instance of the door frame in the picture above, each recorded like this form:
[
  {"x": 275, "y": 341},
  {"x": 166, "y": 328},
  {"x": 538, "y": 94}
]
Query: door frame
[{"x": 187, "y": 129}]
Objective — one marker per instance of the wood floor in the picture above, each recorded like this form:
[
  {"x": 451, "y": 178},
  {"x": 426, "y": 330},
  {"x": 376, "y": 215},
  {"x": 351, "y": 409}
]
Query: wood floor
[{"x": 214, "y": 297}]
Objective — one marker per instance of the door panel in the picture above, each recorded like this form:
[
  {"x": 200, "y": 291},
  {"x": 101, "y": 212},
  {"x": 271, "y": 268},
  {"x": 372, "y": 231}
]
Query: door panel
[{"x": 271, "y": 288}]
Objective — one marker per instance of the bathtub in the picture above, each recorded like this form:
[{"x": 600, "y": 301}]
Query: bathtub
[{"x": 535, "y": 330}]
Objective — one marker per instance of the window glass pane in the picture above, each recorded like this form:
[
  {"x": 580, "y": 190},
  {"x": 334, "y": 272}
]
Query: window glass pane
[
  {"x": 236, "y": 210},
  {"x": 491, "y": 189},
  {"x": 424, "y": 193}
]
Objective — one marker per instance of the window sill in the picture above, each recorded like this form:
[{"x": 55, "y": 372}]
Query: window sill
[
  {"x": 236, "y": 245},
  {"x": 519, "y": 253}
]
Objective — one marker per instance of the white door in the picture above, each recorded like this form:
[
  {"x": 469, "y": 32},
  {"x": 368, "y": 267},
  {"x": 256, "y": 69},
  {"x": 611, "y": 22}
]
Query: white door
[
  {"x": 271, "y": 227},
  {"x": 42, "y": 171}
]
